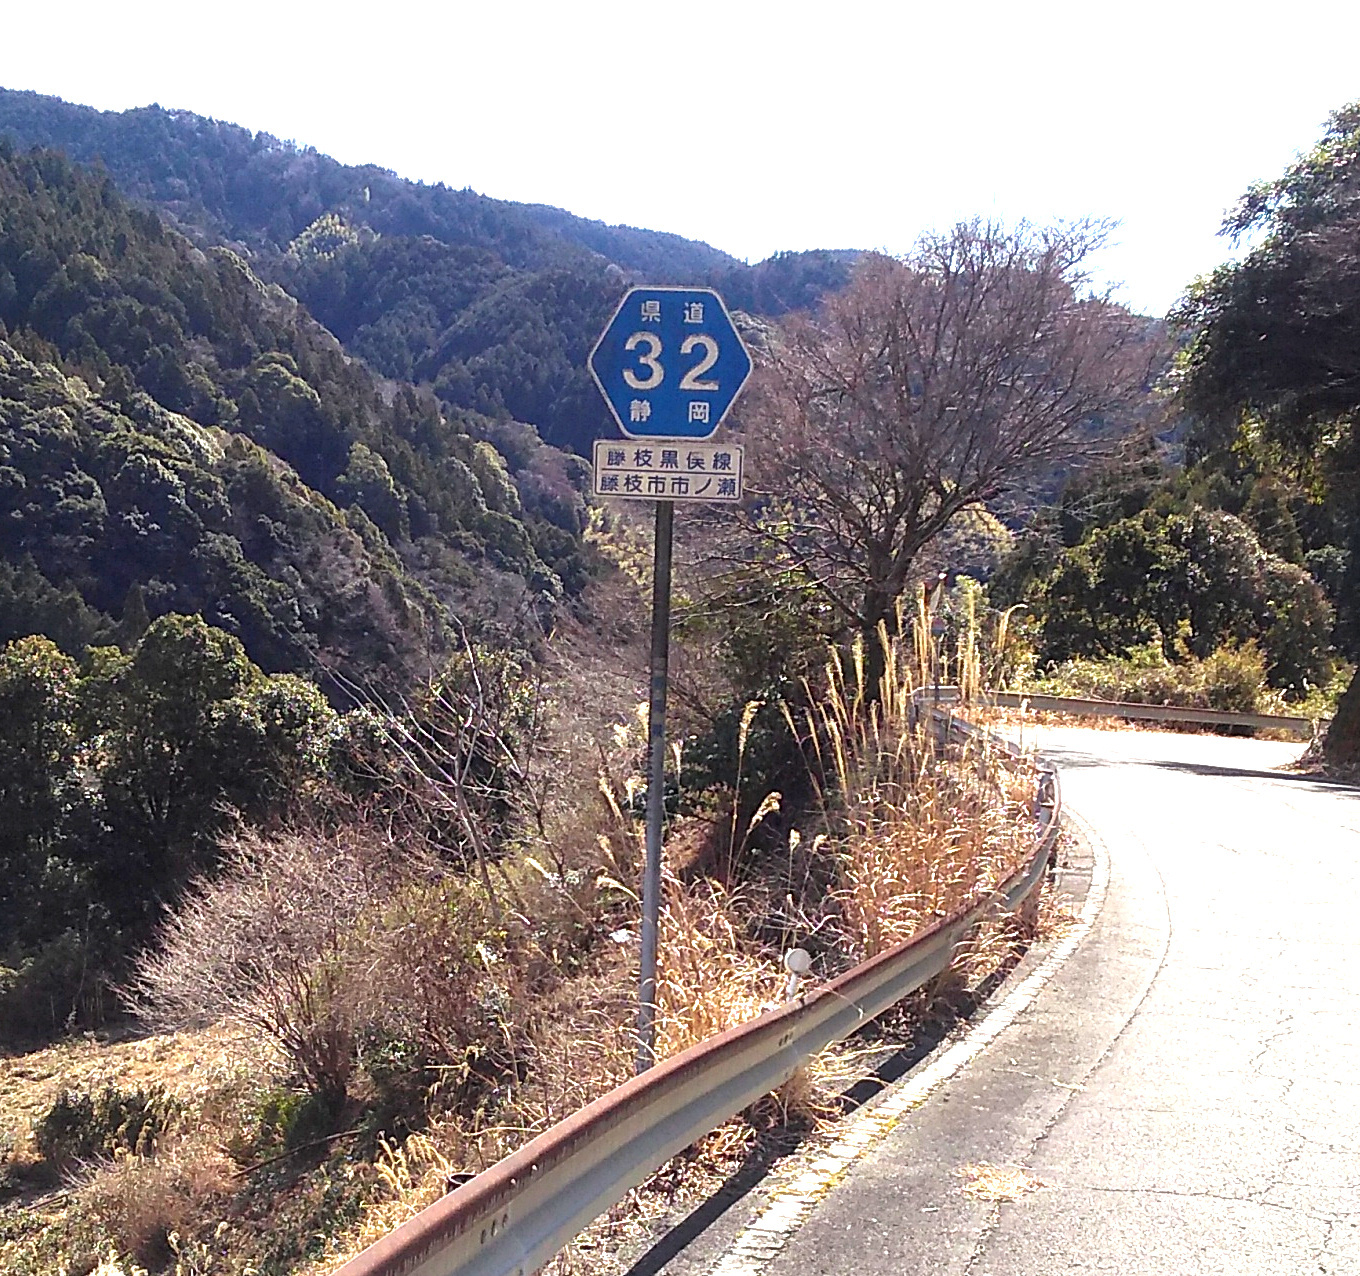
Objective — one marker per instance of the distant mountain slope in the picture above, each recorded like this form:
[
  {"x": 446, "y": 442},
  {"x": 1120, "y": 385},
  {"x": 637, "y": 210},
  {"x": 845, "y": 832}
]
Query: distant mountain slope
[
  {"x": 262, "y": 191},
  {"x": 494, "y": 304},
  {"x": 175, "y": 434}
]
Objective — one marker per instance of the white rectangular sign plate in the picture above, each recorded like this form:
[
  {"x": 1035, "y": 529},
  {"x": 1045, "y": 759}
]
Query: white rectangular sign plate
[{"x": 668, "y": 470}]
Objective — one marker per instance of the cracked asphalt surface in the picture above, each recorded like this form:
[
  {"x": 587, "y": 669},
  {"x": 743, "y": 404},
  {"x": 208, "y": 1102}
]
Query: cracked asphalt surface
[{"x": 1187, "y": 1087}]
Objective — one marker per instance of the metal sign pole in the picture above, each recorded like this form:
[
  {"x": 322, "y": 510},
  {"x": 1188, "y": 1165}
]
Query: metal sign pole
[
  {"x": 670, "y": 364},
  {"x": 656, "y": 784}
]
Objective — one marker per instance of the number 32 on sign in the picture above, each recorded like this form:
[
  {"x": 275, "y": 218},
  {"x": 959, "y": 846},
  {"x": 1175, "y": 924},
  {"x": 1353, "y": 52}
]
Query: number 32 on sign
[
  {"x": 668, "y": 470},
  {"x": 670, "y": 363}
]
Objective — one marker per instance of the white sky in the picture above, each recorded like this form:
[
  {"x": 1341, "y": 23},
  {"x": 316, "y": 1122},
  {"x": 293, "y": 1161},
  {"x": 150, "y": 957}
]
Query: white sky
[{"x": 757, "y": 126}]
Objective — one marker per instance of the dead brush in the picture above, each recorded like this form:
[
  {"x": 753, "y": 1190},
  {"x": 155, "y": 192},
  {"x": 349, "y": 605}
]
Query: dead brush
[
  {"x": 414, "y": 1173},
  {"x": 907, "y": 833},
  {"x": 584, "y": 1046},
  {"x": 712, "y": 977},
  {"x": 898, "y": 878},
  {"x": 916, "y": 830},
  {"x": 405, "y": 1178},
  {"x": 712, "y": 974},
  {"x": 709, "y": 978},
  {"x": 142, "y": 1204}
]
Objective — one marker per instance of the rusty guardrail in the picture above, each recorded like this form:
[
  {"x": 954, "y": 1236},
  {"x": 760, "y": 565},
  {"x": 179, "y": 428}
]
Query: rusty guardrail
[{"x": 512, "y": 1218}]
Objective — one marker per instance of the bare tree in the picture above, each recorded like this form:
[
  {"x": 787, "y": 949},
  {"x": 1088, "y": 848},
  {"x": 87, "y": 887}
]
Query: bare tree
[
  {"x": 460, "y": 762},
  {"x": 271, "y": 942},
  {"x": 317, "y": 939},
  {"x": 933, "y": 383}
]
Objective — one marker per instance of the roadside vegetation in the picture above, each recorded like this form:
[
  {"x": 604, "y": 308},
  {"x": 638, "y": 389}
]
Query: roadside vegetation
[
  {"x": 351, "y": 1014},
  {"x": 319, "y": 755},
  {"x": 313, "y": 727}
]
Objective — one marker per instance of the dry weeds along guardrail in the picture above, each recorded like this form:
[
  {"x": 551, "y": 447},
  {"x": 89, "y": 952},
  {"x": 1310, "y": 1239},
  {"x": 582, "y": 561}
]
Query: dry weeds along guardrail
[{"x": 513, "y": 1217}]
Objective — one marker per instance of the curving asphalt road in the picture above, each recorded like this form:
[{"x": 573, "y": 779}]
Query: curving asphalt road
[{"x": 1184, "y": 1094}]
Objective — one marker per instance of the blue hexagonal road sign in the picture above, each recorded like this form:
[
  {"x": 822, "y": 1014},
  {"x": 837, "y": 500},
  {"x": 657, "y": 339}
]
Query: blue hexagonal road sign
[{"x": 669, "y": 363}]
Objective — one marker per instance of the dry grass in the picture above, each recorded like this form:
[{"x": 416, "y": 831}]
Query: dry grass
[
  {"x": 1057, "y": 916},
  {"x": 131, "y": 1212},
  {"x": 918, "y": 832},
  {"x": 904, "y": 834},
  {"x": 141, "y": 1202},
  {"x": 908, "y": 834},
  {"x": 711, "y": 978},
  {"x": 407, "y": 1177},
  {"x": 206, "y": 1071}
]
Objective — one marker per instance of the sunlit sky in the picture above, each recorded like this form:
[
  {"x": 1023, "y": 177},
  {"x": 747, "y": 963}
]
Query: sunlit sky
[{"x": 757, "y": 126}]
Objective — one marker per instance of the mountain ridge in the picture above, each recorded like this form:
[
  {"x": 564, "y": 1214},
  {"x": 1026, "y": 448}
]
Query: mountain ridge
[
  {"x": 88, "y": 135},
  {"x": 510, "y": 296}
]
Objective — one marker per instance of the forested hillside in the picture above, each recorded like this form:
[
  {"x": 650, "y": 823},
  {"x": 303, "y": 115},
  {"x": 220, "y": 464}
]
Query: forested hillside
[
  {"x": 201, "y": 497},
  {"x": 206, "y": 447},
  {"x": 263, "y": 191},
  {"x": 493, "y": 304},
  {"x": 1272, "y": 371}
]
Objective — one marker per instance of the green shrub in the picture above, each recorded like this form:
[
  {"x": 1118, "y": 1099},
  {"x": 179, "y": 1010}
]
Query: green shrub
[
  {"x": 1231, "y": 677},
  {"x": 1321, "y": 702},
  {"x": 80, "y": 1127},
  {"x": 284, "y": 1119},
  {"x": 1234, "y": 678},
  {"x": 1195, "y": 582},
  {"x": 41, "y": 988}
]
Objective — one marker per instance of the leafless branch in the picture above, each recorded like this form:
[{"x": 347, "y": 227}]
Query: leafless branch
[{"x": 934, "y": 383}]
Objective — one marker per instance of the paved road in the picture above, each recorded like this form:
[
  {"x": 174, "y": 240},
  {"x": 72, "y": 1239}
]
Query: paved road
[{"x": 1187, "y": 1087}]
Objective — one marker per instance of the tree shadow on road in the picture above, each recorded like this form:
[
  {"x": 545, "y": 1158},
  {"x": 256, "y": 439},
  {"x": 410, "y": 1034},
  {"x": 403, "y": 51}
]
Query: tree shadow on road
[
  {"x": 1071, "y": 758},
  {"x": 1320, "y": 782}
]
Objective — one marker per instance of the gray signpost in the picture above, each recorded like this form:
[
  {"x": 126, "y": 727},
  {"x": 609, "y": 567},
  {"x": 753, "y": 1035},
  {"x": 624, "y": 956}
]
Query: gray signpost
[{"x": 670, "y": 364}]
